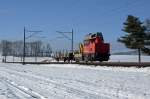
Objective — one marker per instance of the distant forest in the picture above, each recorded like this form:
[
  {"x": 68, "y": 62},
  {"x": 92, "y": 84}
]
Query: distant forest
[{"x": 15, "y": 48}]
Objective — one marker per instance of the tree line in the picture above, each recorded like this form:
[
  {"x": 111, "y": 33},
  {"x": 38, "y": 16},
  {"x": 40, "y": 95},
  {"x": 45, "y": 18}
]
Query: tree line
[{"x": 32, "y": 49}]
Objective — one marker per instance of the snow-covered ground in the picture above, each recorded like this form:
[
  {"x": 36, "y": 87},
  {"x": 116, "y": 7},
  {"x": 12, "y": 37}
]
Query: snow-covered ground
[
  {"x": 27, "y": 59},
  {"x": 128, "y": 58},
  {"x": 73, "y": 82}
]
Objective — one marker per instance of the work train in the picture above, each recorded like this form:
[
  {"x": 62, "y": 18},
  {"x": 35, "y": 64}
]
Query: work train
[{"x": 93, "y": 49}]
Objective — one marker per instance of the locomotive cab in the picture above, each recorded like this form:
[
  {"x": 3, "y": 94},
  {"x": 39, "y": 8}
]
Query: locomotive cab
[{"x": 94, "y": 48}]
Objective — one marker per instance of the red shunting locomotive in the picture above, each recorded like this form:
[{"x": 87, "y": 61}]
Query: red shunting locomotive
[{"x": 94, "y": 48}]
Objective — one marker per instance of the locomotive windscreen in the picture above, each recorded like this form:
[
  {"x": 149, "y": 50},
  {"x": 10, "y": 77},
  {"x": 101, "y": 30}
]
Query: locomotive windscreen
[{"x": 99, "y": 34}]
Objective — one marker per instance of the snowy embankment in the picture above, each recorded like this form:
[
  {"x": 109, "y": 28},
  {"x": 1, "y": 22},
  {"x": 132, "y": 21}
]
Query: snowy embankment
[
  {"x": 128, "y": 58},
  {"x": 73, "y": 82}
]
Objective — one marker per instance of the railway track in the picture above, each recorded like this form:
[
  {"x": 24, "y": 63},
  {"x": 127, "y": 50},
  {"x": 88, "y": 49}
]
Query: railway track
[{"x": 116, "y": 64}]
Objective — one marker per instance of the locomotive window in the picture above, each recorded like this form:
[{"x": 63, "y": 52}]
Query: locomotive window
[
  {"x": 94, "y": 35},
  {"x": 100, "y": 35}
]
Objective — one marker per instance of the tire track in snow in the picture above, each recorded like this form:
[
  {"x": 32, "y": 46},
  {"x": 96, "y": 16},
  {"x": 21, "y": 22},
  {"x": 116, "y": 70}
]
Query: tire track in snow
[
  {"x": 6, "y": 92},
  {"x": 108, "y": 92},
  {"x": 24, "y": 93},
  {"x": 72, "y": 90},
  {"x": 122, "y": 93}
]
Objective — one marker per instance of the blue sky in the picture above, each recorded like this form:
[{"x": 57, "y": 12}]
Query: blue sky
[{"x": 84, "y": 16}]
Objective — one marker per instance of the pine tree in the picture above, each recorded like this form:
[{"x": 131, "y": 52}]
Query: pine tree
[{"x": 134, "y": 39}]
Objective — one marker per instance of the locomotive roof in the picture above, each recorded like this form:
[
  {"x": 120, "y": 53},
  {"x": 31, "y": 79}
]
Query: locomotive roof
[{"x": 93, "y": 35}]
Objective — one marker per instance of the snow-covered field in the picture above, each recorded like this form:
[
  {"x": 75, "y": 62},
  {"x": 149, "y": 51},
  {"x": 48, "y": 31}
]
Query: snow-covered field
[
  {"x": 128, "y": 58},
  {"x": 73, "y": 82},
  {"x": 27, "y": 59}
]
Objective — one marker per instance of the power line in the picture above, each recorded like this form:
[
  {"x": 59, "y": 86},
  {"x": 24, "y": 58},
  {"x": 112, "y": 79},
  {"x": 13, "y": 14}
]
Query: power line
[
  {"x": 72, "y": 41},
  {"x": 62, "y": 33},
  {"x": 33, "y": 34},
  {"x": 24, "y": 42}
]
